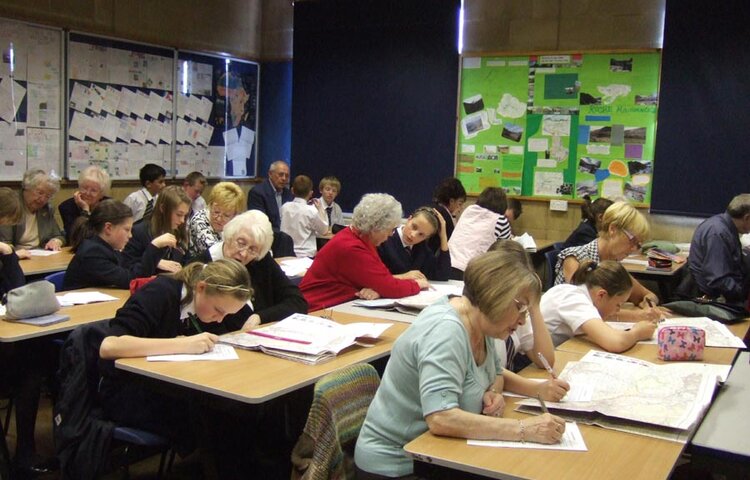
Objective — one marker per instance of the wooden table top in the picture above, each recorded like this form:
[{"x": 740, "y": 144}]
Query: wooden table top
[
  {"x": 643, "y": 270},
  {"x": 257, "y": 377},
  {"x": 79, "y": 315},
  {"x": 50, "y": 264},
  {"x": 611, "y": 454},
  {"x": 649, "y": 352}
]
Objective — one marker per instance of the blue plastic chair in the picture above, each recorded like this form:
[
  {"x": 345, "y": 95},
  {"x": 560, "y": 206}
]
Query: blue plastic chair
[
  {"x": 57, "y": 280},
  {"x": 141, "y": 438},
  {"x": 551, "y": 257},
  {"x": 558, "y": 245}
]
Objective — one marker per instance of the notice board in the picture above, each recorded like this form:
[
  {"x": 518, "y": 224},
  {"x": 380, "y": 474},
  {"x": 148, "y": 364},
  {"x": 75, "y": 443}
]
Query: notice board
[{"x": 559, "y": 125}]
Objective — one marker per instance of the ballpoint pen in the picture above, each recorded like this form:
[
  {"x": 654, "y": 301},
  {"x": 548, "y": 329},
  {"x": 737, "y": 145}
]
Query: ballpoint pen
[
  {"x": 651, "y": 305},
  {"x": 541, "y": 402},
  {"x": 546, "y": 364}
]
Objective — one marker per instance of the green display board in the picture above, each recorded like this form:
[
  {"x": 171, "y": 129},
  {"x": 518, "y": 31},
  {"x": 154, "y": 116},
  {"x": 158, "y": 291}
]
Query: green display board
[{"x": 559, "y": 126}]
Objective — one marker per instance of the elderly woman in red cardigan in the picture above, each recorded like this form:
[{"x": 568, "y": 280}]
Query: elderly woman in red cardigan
[{"x": 349, "y": 266}]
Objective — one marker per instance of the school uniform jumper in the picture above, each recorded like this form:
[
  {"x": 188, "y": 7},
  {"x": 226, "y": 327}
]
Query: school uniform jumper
[
  {"x": 97, "y": 264},
  {"x": 401, "y": 259},
  {"x": 137, "y": 245}
]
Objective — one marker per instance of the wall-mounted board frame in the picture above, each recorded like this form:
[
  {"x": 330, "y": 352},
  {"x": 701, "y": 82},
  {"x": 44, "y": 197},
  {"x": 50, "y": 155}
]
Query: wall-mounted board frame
[
  {"x": 31, "y": 82},
  {"x": 217, "y": 115},
  {"x": 559, "y": 125}
]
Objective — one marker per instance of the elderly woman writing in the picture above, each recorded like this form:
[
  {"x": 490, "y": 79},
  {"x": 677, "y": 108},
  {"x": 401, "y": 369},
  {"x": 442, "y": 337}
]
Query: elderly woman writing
[
  {"x": 37, "y": 228},
  {"x": 349, "y": 265},
  {"x": 225, "y": 201},
  {"x": 247, "y": 239},
  {"x": 93, "y": 186},
  {"x": 444, "y": 375}
]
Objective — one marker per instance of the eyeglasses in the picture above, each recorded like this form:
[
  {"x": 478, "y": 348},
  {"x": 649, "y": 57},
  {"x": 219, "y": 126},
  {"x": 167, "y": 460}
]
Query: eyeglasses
[
  {"x": 219, "y": 215},
  {"x": 244, "y": 247},
  {"x": 523, "y": 308},
  {"x": 42, "y": 194},
  {"x": 633, "y": 239}
]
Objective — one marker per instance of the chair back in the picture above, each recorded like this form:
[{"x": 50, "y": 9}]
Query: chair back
[
  {"x": 551, "y": 257},
  {"x": 56, "y": 279},
  {"x": 336, "y": 416}
]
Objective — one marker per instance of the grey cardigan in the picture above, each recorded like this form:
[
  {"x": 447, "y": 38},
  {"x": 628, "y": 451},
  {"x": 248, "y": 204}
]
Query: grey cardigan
[{"x": 45, "y": 222}]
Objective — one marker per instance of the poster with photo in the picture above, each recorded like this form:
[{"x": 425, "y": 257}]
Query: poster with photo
[{"x": 559, "y": 125}]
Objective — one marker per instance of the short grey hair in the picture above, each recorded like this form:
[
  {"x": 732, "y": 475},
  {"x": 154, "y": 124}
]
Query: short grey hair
[
  {"x": 739, "y": 206},
  {"x": 376, "y": 211},
  {"x": 256, "y": 225},
  {"x": 35, "y": 177},
  {"x": 96, "y": 175},
  {"x": 277, "y": 164}
]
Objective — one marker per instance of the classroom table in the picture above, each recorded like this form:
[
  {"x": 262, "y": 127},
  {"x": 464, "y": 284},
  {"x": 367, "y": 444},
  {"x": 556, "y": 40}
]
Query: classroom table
[
  {"x": 649, "y": 352},
  {"x": 257, "y": 377},
  {"x": 611, "y": 454},
  {"x": 49, "y": 264},
  {"x": 665, "y": 279},
  {"x": 721, "y": 443},
  {"x": 79, "y": 315}
]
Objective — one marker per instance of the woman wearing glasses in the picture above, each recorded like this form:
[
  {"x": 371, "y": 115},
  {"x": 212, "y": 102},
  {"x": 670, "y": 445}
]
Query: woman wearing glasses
[
  {"x": 37, "y": 228},
  {"x": 444, "y": 375},
  {"x": 623, "y": 230},
  {"x": 93, "y": 186},
  {"x": 247, "y": 239},
  {"x": 225, "y": 201}
]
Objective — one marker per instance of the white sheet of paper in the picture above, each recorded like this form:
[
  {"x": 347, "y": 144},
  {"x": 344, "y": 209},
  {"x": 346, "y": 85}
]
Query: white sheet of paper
[
  {"x": 140, "y": 102},
  {"x": 82, "y": 298},
  {"x": 218, "y": 353},
  {"x": 572, "y": 440},
  {"x": 42, "y": 253}
]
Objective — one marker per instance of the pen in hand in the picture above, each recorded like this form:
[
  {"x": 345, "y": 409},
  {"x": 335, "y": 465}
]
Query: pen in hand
[
  {"x": 546, "y": 364},
  {"x": 541, "y": 402},
  {"x": 651, "y": 305}
]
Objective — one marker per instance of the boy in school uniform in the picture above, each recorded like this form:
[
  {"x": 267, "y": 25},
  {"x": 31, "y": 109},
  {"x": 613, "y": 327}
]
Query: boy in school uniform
[
  {"x": 194, "y": 185},
  {"x": 329, "y": 188},
  {"x": 301, "y": 221},
  {"x": 142, "y": 201}
]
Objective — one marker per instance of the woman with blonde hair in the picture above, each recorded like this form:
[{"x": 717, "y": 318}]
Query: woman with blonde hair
[
  {"x": 225, "y": 201},
  {"x": 623, "y": 231},
  {"x": 170, "y": 213},
  {"x": 93, "y": 187},
  {"x": 349, "y": 266},
  {"x": 171, "y": 314},
  {"x": 444, "y": 375}
]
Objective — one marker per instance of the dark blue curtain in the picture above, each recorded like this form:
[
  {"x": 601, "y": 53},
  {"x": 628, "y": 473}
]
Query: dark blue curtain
[{"x": 374, "y": 95}]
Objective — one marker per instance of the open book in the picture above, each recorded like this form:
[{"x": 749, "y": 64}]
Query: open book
[
  {"x": 527, "y": 241},
  {"x": 411, "y": 305},
  {"x": 306, "y": 339}
]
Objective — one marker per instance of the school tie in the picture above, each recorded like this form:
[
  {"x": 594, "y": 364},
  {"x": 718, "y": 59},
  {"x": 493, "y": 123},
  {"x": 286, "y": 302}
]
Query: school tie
[
  {"x": 149, "y": 210},
  {"x": 510, "y": 353},
  {"x": 329, "y": 210}
]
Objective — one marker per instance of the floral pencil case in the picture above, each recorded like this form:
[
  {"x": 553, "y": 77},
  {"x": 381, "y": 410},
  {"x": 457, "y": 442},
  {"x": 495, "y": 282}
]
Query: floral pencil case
[{"x": 681, "y": 343}]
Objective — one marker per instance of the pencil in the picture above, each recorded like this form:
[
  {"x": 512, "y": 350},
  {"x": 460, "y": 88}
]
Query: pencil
[{"x": 541, "y": 402}]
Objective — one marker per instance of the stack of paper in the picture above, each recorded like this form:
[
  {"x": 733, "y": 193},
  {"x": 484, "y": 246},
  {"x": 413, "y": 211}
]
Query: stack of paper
[{"x": 307, "y": 339}]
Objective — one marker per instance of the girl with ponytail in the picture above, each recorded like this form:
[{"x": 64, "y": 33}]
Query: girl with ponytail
[
  {"x": 595, "y": 294},
  {"x": 179, "y": 313},
  {"x": 98, "y": 240}
]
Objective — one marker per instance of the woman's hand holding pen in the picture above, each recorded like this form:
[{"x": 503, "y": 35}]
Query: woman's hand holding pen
[
  {"x": 545, "y": 428},
  {"x": 553, "y": 390},
  {"x": 165, "y": 240},
  {"x": 201, "y": 343},
  {"x": 644, "y": 330}
]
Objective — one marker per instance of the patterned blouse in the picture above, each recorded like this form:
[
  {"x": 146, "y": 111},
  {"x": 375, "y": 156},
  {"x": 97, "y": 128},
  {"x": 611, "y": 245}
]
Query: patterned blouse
[
  {"x": 590, "y": 251},
  {"x": 202, "y": 234}
]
